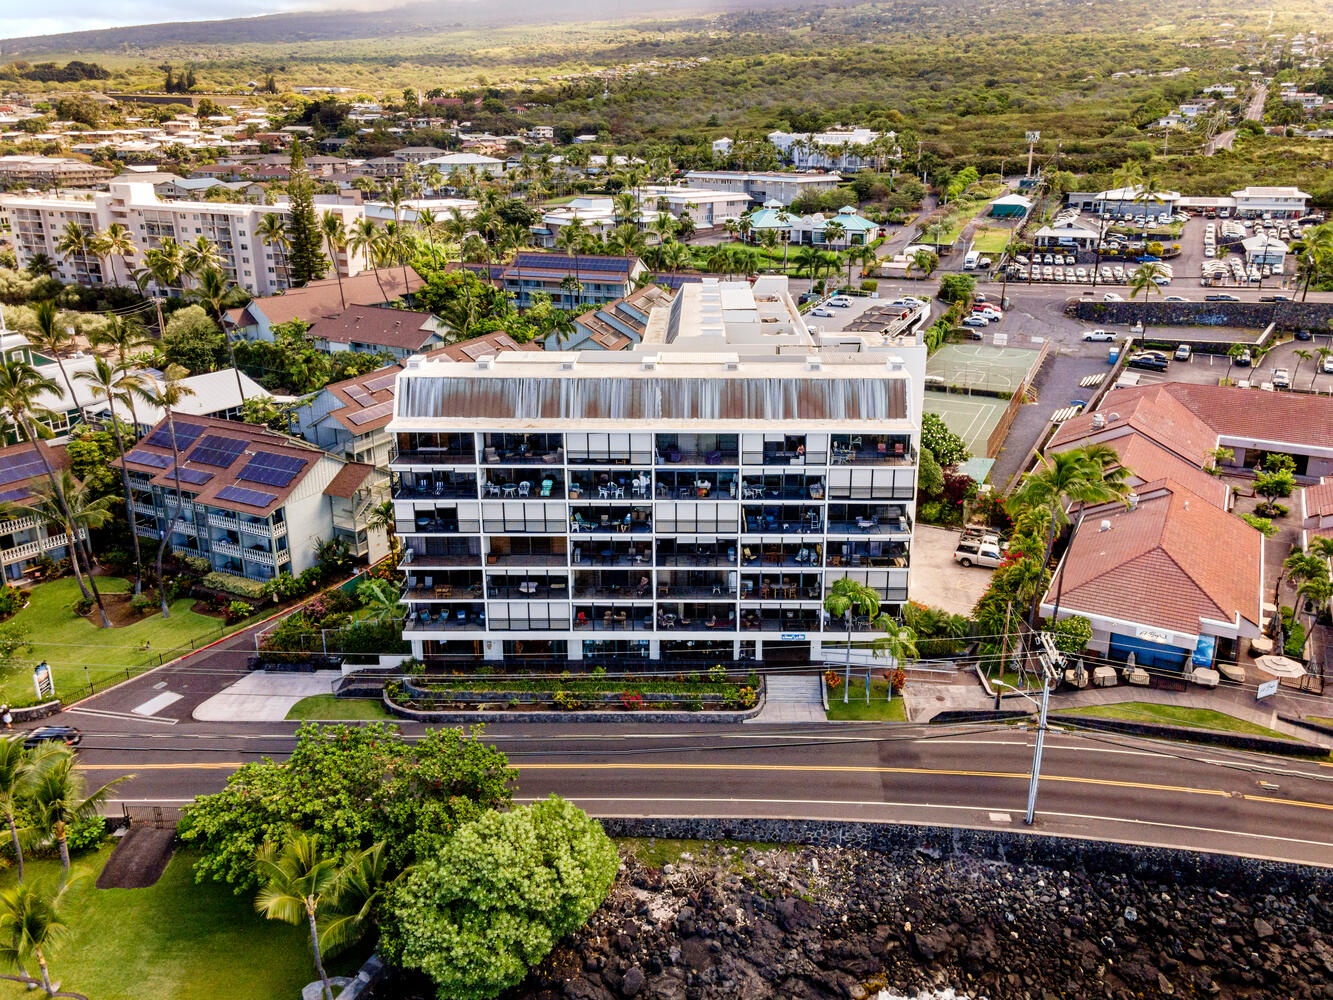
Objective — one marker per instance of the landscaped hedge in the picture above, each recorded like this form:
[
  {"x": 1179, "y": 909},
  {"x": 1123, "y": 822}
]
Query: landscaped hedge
[
  {"x": 631, "y": 692},
  {"x": 229, "y": 583}
]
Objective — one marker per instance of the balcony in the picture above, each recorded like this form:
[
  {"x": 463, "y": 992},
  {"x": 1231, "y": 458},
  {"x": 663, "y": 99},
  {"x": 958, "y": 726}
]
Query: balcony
[
  {"x": 609, "y": 520},
  {"x": 872, "y": 449},
  {"x": 452, "y": 486},
  {"x": 604, "y": 618},
  {"x": 869, "y": 554},
  {"x": 523, "y": 449},
  {"x": 450, "y": 617},
  {"x": 617, "y": 484},
  {"x": 782, "y": 555},
  {"x": 513, "y": 484},
  {"x": 28, "y": 550},
  {"x": 227, "y": 549},
  {"x": 780, "y": 620},
  {"x": 607, "y": 553},
  {"x": 866, "y": 519},
  {"x": 722, "y": 553},
  {"x": 782, "y": 587},
  {"x": 786, "y": 519},
  {"x": 436, "y": 449}
]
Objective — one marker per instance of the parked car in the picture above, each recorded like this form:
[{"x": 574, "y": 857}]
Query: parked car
[
  {"x": 1243, "y": 359},
  {"x": 1303, "y": 335},
  {"x": 1099, "y": 335},
  {"x": 1327, "y": 366},
  {"x": 983, "y": 550},
  {"x": 841, "y": 301},
  {"x": 1175, "y": 298},
  {"x": 1151, "y": 361},
  {"x": 976, "y": 321},
  {"x": 1221, "y": 298},
  {"x": 67, "y": 735},
  {"x": 1183, "y": 352},
  {"x": 1281, "y": 378},
  {"x": 822, "y": 311},
  {"x": 1112, "y": 297}
]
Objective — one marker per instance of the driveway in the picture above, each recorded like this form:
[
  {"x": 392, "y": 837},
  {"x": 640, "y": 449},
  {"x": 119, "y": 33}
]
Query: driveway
[
  {"x": 264, "y": 697},
  {"x": 936, "y": 579}
]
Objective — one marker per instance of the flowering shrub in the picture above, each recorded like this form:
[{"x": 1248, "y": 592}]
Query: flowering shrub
[
  {"x": 832, "y": 678},
  {"x": 746, "y": 697},
  {"x": 632, "y": 700}
]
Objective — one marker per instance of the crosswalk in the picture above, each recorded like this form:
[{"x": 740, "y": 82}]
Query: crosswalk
[
  {"x": 1065, "y": 413},
  {"x": 1088, "y": 381}
]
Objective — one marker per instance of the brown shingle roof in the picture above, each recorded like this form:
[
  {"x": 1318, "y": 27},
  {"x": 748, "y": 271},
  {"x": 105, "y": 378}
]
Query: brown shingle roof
[
  {"x": 379, "y": 327},
  {"x": 367, "y": 400},
  {"x": 349, "y": 480},
  {"x": 1172, "y": 560},
  {"x": 1147, "y": 462},
  {"x": 321, "y": 299},
  {"x": 1318, "y": 500},
  {"x": 1150, "y": 410},
  {"x": 486, "y": 345}
]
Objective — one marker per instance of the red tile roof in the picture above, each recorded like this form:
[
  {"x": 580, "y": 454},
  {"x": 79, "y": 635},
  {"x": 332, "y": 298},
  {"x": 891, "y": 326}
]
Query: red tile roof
[
  {"x": 367, "y": 400},
  {"x": 486, "y": 345},
  {"x": 1171, "y": 561},
  {"x": 398, "y": 329},
  {"x": 1147, "y": 461},
  {"x": 1318, "y": 500},
  {"x": 1291, "y": 418},
  {"x": 322, "y": 299},
  {"x": 1152, "y": 410}
]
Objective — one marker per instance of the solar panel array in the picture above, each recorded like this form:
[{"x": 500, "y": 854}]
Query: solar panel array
[
  {"x": 383, "y": 382},
  {"x": 141, "y": 457},
  {"x": 24, "y": 465},
  {"x": 11, "y": 496},
  {"x": 251, "y": 498},
  {"x": 214, "y": 449},
  {"x": 186, "y": 435},
  {"x": 551, "y": 261},
  {"x": 272, "y": 469},
  {"x": 196, "y": 476},
  {"x": 371, "y": 413}
]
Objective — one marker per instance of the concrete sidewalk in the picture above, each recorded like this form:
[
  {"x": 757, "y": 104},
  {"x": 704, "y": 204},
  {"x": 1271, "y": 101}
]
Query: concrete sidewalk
[
  {"x": 791, "y": 699},
  {"x": 264, "y": 697}
]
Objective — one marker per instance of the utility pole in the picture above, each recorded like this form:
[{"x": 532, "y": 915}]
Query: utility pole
[
  {"x": 1051, "y": 660},
  {"x": 1032, "y": 139}
]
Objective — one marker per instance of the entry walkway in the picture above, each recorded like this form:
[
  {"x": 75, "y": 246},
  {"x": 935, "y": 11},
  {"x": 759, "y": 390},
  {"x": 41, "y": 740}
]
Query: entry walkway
[
  {"x": 792, "y": 698},
  {"x": 264, "y": 697}
]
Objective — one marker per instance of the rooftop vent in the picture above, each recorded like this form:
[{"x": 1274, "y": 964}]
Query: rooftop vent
[
  {"x": 1133, "y": 500},
  {"x": 568, "y": 364},
  {"x": 486, "y": 363},
  {"x": 1105, "y": 526}
]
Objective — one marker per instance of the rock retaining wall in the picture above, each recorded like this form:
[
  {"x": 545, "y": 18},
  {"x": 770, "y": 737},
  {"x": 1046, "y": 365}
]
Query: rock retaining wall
[{"x": 1249, "y": 315}]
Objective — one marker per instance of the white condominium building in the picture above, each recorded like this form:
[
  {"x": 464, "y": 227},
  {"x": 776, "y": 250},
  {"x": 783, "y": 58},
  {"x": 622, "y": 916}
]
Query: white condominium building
[
  {"x": 849, "y": 149},
  {"x": 691, "y": 499},
  {"x": 39, "y": 223}
]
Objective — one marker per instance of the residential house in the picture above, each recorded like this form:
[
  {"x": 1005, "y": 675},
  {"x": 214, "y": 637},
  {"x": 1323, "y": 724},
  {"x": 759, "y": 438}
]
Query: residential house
[
  {"x": 52, "y": 171},
  {"x": 812, "y": 230},
  {"x": 687, "y": 502},
  {"x": 452, "y": 163},
  {"x": 320, "y": 300},
  {"x": 376, "y": 330},
  {"x": 256, "y": 502},
  {"x": 24, "y": 538},
  {"x": 573, "y": 281},
  {"x": 707, "y": 208}
]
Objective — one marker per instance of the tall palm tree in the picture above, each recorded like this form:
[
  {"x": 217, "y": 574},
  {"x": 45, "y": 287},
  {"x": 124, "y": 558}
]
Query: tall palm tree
[
  {"x": 20, "y": 385},
  {"x": 302, "y": 884},
  {"x": 367, "y": 238},
  {"x": 71, "y": 506},
  {"x": 1061, "y": 479},
  {"x": 122, "y": 334},
  {"x": 1316, "y": 254},
  {"x": 114, "y": 383},
  {"x": 272, "y": 232},
  {"x": 212, "y": 291},
  {"x": 200, "y": 256},
  {"x": 19, "y": 768},
  {"x": 897, "y": 644},
  {"x": 31, "y": 926},
  {"x": 396, "y": 196},
  {"x": 834, "y": 231},
  {"x": 846, "y": 599},
  {"x": 1301, "y": 356},
  {"x": 57, "y": 799},
  {"x": 1144, "y": 279},
  {"x": 1323, "y": 353},
  {"x": 115, "y": 240},
  {"x": 164, "y": 264},
  {"x": 925, "y": 261},
  {"x": 334, "y": 233},
  {"x": 74, "y": 242},
  {"x": 167, "y": 397},
  {"x": 52, "y": 337}
]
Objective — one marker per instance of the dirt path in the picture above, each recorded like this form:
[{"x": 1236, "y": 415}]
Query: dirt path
[{"x": 139, "y": 859}]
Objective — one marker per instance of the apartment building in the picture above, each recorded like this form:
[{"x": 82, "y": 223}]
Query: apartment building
[
  {"x": 573, "y": 281},
  {"x": 51, "y": 171},
  {"x": 255, "y": 502},
  {"x": 37, "y": 224},
  {"x": 23, "y": 538},
  {"x": 689, "y": 500},
  {"x": 763, "y": 187},
  {"x": 849, "y": 149}
]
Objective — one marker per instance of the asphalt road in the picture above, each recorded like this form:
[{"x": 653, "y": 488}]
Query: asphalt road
[{"x": 1093, "y": 786}]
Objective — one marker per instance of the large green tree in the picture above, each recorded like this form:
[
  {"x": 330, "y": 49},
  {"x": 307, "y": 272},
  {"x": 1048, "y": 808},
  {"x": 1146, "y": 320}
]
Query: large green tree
[
  {"x": 498, "y": 897},
  {"x": 355, "y": 786},
  {"x": 305, "y": 259}
]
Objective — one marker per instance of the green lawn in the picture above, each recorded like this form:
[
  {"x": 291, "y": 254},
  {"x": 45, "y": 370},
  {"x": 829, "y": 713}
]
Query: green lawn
[
  {"x": 991, "y": 241},
  {"x": 175, "y": 939},
  {"x": 857, "y": 710},
  {"x": 71, "y": 643},
  {"x": 1174, "y": 715},
  {"x": 330, "y": 706}
]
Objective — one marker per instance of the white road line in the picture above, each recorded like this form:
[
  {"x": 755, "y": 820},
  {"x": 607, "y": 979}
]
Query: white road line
[
  {"x": 154, "y": 705},
  {"x": 120, "y": 715}
]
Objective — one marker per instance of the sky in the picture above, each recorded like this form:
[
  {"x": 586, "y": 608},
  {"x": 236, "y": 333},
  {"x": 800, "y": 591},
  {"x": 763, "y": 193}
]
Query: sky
[{"x": 57, "y": 16}]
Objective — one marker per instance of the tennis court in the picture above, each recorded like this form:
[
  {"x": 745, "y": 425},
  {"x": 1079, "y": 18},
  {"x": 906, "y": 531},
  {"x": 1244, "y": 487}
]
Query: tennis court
[
  {"x": 980, "y": 366},
  {"x": 970, "y": 417}
]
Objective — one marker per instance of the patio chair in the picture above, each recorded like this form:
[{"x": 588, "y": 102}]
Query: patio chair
[
  {"x": 524, "y": 488},
  {"x": 547, "y": 486}
]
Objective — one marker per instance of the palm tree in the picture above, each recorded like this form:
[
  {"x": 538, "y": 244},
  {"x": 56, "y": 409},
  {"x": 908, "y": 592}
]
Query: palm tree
[
  {"x": 114, "y": 383},
  {"x": 1316, "y": 252},
  {"x": 71, "y": 506},
  {"x": 301, "y": 883},
  {"x": 200, "y": 256},
  {"x": 1323, "y": 353},
  {"x": 334, "y": 232},
  {"x": 19, "y": 768},
  {"x": 122, "y": 334},
  {"x": 1144, "y": 279},
  {"x": 167, "y": 397},
  {"x": 213, "y": 290},
  {"x": 381, "y": 517},
  {"x": 833, "y": 232},
  {"x": 57, "y": 799},
  {"x": 52, "y": 337},
  {"x": 925, "y": 261},
  {"x": 30, "y": 928},
  {"x": 381, "y": 598},
  {"x": 20, "y": 385},
  {"x": 1301, "y": 356},
  {"x": 115, "y": 240},
  {"x": 164, "y": 263},
  {"x": 810, "y": 260},
  {"x": 898, "y": 644},
  {"x": 74, "y": 242},
  {"x": 367, "y": 238},
  {"x": 395, "y": 197},
  {"x": 1063, "y": 478},
  {"x": 272, "y": 232},
  {"x": 847, "y": 598}
]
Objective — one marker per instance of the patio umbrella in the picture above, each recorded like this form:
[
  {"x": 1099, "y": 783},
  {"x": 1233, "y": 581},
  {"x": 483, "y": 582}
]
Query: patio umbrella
[{"x": 1280, "y": 666}]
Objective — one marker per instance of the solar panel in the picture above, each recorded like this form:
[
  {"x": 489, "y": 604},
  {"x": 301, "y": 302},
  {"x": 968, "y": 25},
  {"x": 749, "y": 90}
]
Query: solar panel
[
  {"x": 141, "y": 457},
  {"x": 196, "y": 476},
  {"x": 358, "y": 394},
  {"x": 24, "y": 465},
  {"x": 251, "y": 498},
  {"x": 10, "y": 496},
  {"x": 186, "y": 435},
  {"x": 383, "y": 382},
  {"x": 371, "y": 413},
  {"x": 271, "y": 469},
  {"x": 214, "y": 449}
]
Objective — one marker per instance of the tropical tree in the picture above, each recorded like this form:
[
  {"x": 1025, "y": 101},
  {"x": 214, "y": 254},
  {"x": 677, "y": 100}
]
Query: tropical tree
[
  {"x": 1314, "y": 255},
  {"x": 115, "y": 383},
  {"x": 305, "y": 259},
  {"x": 164, "y": 263},
  {"x": 925, "y": 261},
  {"x": 1301, "y": 356},
  {"x": 71, "y": 506},
  {"x": 847, "y": 599},
  {"x": 1323, "y": 354},
  {"x": 57, "y": 799},
  {"x": 334, "y": 233},
  {"x": 381, "y": 598},
  {"x": 52, "y": 337},
  {"x": 1234, "y": 353},
  {"x": 299, "y": 883},
  {"x": 1144, "y": 278},
  {"x": 74, "y": 241},
  {"x": 834, "y": 231},
  {"x": 272, "y": 232},
  {"x": 122, "y": 334},
  {"x": 31, "y": 926},
  {"x": 19, "y": 768},
  {"x": 1064, "y": 478},
  {"x": 200, "y": 256},
  {"x": 396, "y": 196},
  {"x": 368, "y": 239},
  {"x": 166, "y": 397},
  {"x": 115, "y": 240}
]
